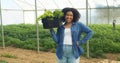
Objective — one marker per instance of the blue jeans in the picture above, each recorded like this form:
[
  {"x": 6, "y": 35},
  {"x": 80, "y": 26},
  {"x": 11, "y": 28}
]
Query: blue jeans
[{"x": 68, "y": 56}]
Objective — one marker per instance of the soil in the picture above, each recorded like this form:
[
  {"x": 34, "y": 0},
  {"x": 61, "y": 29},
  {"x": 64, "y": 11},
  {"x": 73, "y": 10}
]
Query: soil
[{"x": 31, "y": 56}]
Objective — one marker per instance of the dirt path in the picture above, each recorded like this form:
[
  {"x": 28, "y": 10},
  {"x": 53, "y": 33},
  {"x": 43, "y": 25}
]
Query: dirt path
[{"x": 30, "y": 56}]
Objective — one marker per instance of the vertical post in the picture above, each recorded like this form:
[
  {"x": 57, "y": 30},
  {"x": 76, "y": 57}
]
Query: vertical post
[
  {"x": 87, "y": 25},
  {"x": 108, "y": 10},
  {"x": 37, "y": 26},
  {"x": 23, "y": 16},
  {"x": 90, "y": 16},
  {"x": 114, "y": 24},
  {"x": 86, "y": 12},
  {"x": 3, "y": 42},
  {"x": 108, "y": 15}
]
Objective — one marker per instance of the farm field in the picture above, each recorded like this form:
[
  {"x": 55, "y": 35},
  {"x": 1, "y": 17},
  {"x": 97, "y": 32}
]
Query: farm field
[{"x": 30, "y": 56}]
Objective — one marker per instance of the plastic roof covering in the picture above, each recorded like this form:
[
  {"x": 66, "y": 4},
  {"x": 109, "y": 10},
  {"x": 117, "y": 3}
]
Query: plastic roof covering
[
  {"x": 56, "y": 4},
  {"x": 22, "y": 11}
]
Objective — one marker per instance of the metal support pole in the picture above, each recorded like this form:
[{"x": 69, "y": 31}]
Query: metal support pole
[
  {"x": 87, "y": 25},
  {"x": 90, "y": 16},
  {"x": 23, "y": 16},
  {"x": 108, "y": 10},
  {"x": 3, "y": 41},
  {"x": 37, "y": 26},
  {"x": 86, "y": 12},
  {"x": 108, "y": 15}
]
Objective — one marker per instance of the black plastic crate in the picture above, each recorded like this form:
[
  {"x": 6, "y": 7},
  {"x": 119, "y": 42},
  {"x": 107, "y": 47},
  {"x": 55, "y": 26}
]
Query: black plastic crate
[{"x": 47, "y": 24}]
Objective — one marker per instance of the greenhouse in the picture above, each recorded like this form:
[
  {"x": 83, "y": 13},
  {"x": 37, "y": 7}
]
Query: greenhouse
[
  {"x": 19, "y": 27},
  {"x": 23, "y": 11}
]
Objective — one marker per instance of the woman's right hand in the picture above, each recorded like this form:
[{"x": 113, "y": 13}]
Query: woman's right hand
[{"x": 77, "y": 44}]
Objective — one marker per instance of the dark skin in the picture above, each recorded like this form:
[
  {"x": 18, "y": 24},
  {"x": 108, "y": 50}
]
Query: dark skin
[{"x": 69, "y": 20}]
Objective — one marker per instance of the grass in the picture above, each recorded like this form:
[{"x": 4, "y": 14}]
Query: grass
[
  {"x": 3, "y": 61},
  {"x": 118, "y": 58},
  {"x": 7, "y": 55}
]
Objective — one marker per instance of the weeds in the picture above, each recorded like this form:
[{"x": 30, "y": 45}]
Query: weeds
[
  {"x": 7, "y": 55},
  {"x": 118, "y": 58},
  {"x": 3, "y": 61}
]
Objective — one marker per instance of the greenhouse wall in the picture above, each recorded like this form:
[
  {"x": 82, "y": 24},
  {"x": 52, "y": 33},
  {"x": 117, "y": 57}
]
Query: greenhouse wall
[{"x": 96, "y": 16}]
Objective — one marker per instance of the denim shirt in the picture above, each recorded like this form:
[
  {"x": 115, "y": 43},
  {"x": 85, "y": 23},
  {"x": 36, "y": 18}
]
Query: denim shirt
[{"x": 76, "y": 30}]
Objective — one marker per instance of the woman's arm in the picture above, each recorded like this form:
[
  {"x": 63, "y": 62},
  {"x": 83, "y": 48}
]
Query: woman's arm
[
  {"x": 53, "y": 35},
  {"x": 88, "y": 32}
]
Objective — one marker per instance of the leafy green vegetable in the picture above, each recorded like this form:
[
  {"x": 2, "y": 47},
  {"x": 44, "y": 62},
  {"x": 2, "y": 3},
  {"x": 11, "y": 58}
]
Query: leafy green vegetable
[
  {"x": 57, "y": 14},
  {"x": 49, "y": 15}
]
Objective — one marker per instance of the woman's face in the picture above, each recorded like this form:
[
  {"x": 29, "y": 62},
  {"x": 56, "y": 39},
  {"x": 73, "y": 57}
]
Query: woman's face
[{"x": 69, "y": 17}]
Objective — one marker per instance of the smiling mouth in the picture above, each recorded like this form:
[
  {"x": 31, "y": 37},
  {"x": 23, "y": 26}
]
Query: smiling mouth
[{"x": 68, "y": 19}]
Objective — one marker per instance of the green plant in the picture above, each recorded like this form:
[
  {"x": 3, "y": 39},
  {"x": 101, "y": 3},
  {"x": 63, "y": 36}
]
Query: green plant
[
  {"x": 3, "y": 61},
  {"x": 118, "y": 58},
  {"x": 8, "y": 55},
  {"x": 49, "y": 15},
  {"x": 104, "y": 40},
  {"x": 57, "y": 14},
  {"x": 45, "y": 15}
]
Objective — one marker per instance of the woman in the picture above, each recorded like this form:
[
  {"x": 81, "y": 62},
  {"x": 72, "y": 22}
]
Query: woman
[{"x": 68, "y": 37}]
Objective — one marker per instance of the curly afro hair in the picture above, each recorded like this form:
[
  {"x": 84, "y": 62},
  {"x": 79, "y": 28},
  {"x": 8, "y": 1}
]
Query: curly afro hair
[{"x": 76, "y": 14}]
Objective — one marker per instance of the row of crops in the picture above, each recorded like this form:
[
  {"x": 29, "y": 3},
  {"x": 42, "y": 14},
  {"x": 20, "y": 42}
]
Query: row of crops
[{"x": 104, "y": 40}]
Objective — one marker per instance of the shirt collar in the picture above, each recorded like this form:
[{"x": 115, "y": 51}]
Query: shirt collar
[{"x": 64, "y": 24}]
